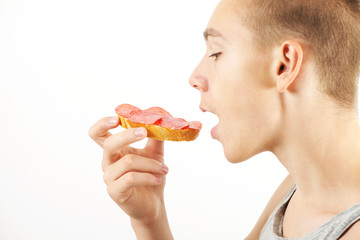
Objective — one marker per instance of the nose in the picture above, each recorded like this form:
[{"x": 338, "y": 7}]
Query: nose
[{"x": 198, "y": 81}]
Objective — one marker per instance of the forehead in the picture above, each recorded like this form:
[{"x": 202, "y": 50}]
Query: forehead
[{"x": 226, "y": 19}]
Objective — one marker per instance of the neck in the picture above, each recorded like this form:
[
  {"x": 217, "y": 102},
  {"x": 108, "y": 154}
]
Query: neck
[{"x": 324, "y": 159}]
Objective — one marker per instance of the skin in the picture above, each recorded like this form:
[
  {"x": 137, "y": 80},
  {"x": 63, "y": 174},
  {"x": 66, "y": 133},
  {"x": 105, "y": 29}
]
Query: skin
[
  {"x": 265, "y": 101},
  {"x": 135, "y": 178}
]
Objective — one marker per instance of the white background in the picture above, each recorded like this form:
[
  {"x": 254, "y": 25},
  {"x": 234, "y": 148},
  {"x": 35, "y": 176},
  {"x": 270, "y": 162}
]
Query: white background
[{"x": 65, "y": 64}]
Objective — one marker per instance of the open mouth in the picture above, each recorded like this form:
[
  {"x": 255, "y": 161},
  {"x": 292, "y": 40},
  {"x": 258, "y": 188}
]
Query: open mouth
[{"x": 214, "y": 130}]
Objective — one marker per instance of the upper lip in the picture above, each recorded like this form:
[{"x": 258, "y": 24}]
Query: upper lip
[{"x": 203, "y": 109}]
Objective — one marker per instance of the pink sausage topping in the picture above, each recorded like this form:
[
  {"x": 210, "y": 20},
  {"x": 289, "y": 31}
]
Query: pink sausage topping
[{"x": 155, "y": 116}]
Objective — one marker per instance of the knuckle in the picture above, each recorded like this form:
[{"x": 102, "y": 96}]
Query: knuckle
[
  {"x": 106, "y": 177},
  {"x": 91, "y": 132},
  {"x": 130, "y": 178},
  {"x": 111, "y": 191},
  {"x": 118, "y": 196},
  {"x": 107, "y": 144},
  {"x": 128, "y": 161}
]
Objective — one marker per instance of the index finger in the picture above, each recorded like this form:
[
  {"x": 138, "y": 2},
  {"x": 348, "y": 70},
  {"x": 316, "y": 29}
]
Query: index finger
[{"x": 100, "y": 130}]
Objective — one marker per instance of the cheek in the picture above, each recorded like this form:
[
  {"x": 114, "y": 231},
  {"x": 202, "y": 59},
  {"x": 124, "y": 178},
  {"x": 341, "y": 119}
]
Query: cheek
[
  {"x": 248, "y": 120},
  {"x": 251, "y": 130},
  {"x": 244, "y": 104}
]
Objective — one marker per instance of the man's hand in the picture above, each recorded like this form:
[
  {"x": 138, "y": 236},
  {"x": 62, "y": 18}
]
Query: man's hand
[{"x": 135, "y": 178}]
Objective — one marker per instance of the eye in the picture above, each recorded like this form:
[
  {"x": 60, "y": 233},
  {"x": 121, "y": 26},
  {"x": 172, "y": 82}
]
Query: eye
[{"x": 215, "y": 55}]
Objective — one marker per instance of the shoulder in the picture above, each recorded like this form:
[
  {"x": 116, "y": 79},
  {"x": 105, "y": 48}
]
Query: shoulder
[
  {"x": 352, "y": 233},
  {"x": 280, "y": 193}
]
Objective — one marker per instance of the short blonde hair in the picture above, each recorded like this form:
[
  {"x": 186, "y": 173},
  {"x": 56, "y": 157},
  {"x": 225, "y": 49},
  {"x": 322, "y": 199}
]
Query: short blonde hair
[{"x": 330, "y": 27}]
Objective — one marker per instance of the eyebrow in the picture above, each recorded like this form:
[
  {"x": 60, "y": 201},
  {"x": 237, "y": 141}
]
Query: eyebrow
[{"x": 212, "y": 32}]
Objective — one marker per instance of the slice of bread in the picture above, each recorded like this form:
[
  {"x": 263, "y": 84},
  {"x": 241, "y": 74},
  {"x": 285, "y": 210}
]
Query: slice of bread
[
  {"x": 159, "y": 123},
  {"x": 163, "y": 133}
]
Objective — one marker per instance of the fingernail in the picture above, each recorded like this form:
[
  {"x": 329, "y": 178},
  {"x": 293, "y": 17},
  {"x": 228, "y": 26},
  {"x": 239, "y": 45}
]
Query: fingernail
[
  {"x": 164, "y": 169},
  {"x": 113, "y": 120},
  {"x": 140, "y": 132},
  {"x": 158, "y": 179}
]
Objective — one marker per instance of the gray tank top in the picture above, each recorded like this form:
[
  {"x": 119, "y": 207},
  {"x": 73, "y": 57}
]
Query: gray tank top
[{"x": 331, "y": 230}]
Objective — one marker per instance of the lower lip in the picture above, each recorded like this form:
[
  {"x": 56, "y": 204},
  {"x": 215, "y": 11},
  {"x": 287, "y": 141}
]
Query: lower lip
[{"x": 213, "y": 131}]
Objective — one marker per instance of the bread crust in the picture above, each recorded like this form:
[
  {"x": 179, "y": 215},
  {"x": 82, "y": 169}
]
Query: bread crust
[{"x": 162, "y": 133}]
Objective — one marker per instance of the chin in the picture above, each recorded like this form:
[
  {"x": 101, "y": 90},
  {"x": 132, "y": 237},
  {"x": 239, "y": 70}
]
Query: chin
[{"x": 235, "y": 154}]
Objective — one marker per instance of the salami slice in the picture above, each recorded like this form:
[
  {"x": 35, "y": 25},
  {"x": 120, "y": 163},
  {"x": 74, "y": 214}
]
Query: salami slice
[
  {"x": 155, "y": 116},
  {"x": 174, "y": 123},
  {"x": 159, "y": 111},
  {"x": 125, "y": 110},
  {"x": 144, "y": 117},
  {"x": 195, "y": 125}
]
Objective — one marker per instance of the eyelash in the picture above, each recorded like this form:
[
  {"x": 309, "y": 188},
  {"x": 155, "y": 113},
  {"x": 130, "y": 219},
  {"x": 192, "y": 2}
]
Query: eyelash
[{"x": 216, "y": 55}]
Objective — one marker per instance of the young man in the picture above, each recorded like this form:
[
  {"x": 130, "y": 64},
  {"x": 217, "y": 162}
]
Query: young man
[{"x": 282, "y": 77}]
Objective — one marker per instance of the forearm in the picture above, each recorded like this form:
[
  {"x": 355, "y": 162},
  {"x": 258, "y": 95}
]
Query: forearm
[{"x": 158, "y": 230}]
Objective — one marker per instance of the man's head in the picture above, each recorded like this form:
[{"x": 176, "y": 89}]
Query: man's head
[
  {"x": 331, "y": 28},
  {"x": 259, "y": 66}
]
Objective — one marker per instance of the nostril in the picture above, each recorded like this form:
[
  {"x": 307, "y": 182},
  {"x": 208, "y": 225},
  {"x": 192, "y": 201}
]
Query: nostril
[{"x": 200, "y": 83}]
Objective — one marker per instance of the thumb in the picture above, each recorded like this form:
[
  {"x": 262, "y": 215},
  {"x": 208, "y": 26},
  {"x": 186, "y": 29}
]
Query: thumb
[{"x": 155, "y": 146}]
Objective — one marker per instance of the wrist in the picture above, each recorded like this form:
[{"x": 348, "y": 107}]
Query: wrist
[{"x": 157, "y": 229}]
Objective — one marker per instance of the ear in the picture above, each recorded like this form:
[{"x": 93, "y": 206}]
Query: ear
[{"x": 288, "y": 63}]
